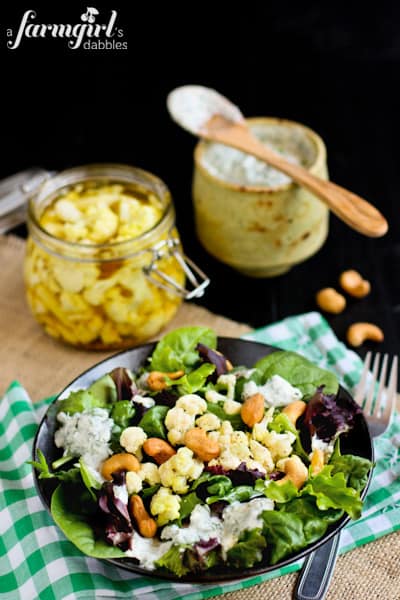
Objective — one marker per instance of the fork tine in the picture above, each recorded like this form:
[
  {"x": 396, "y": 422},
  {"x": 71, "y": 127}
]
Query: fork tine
[
  {"x": 370, "y": 397},
  {"x": 359, "y": 394},
  {"x": 380, "y": 396},
  {"x": 391, "y": 391}
]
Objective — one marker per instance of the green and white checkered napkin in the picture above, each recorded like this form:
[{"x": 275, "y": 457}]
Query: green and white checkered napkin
[{"x": 37, "y": 561}]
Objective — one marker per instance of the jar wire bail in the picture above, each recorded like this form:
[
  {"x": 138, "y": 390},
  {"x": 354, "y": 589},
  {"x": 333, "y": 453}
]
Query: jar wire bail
[{"x": 197, "y": 278}]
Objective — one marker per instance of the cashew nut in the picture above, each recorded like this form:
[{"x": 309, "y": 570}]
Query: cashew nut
[
  {"x": 119, "y": 462},
  {"x": 294, "y": 410},
  {"x": 353, "y": 283},
  {"x": 329, "y": 300},
  {"x": 157, "y": 380},
  {"x": 146, "y": 524},
  {"x": 252, "y": 411},
  {"x": 158, "y": 449},
  {"x": 201, "y": 444},
  {"x": 317, "y": 461},
  {"x": 359, "y": 332},
  {"x": 295, "y": 470}
]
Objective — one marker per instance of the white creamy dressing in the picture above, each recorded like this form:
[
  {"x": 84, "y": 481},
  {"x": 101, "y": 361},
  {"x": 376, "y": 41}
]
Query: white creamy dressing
[
  {"x": 246, "y": 373},
  {"x": 191, "y": 106},
  {"x": 238, "y": 518},
  {"x": 276, "y": 391},
  {"x": 146, "y": 402},
  {"x": 147, "y": 550},
  {"x": 121, "y": 492},
  {"x": 326, "y": 447},
  {"x": 85, "y": 434},
  {"x": 202, "y": 526}
]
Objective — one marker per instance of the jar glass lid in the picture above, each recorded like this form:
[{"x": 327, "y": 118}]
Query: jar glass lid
[{"x": 14, "y": 193}]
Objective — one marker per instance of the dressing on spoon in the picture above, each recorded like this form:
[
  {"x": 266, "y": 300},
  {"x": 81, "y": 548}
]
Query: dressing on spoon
[{"x": 207, "y": 114}]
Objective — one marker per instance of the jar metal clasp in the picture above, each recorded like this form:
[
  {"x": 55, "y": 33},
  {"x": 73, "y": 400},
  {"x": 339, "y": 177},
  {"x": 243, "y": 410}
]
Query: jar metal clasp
[{"x": 195, "y": 276}]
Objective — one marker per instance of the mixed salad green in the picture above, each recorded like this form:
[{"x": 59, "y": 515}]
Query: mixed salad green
[{"x": 193, "y": 463}]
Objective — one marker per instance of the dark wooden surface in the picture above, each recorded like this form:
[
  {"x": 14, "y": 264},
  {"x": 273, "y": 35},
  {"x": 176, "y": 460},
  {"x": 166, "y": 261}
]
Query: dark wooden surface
[{"x": 335, "y": 68}]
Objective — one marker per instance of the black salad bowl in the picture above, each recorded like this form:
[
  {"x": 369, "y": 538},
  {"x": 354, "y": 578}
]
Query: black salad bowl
[{"x": 239, "y": 352}]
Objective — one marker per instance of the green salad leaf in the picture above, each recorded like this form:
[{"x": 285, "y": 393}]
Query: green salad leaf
[
  {"x": 177, "y": 350},
  {"x": 188, "y": 502},
  {"x": 198, "y": 565},
  {"x": 240, "y": 493},
  {"x": 280, "y": 492},
  {"x": 284, "y": 533},
  {"x": 248, "y": 550},
  {"x": 331, "y": 491},
  {"x": 122, "y": 413},
  {"x": 149, "y": 491},
  {"x": 281, "y": 423},
  {"x": 173, "y": 561},
  {"x": 194, "y": 381},
  {"x": 104, "y": 389},
  {"x": 152, "y": 421},
  {"x": 90, "y": 482},
  {"x": 77, "y": 529},
  {"x": 219, "y": 485},
  {"x": 315, "y": 521},
  {"x": 69, "y": 476},
  {"x": 355, "y": 469},
  {"x": 298, "y": 371},
  {"x": 100, "y": 394},
  {"x": 296, "y": 525}
]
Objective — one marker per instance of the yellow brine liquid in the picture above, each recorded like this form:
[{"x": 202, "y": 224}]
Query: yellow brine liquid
[{"x": 85, "y": 265}]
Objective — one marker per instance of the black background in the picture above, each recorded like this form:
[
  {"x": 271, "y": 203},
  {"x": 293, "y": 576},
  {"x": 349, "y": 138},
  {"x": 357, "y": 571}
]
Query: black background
[{"x": 330, "y": 65}]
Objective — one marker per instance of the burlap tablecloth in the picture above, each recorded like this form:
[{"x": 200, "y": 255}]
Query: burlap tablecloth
[{"x": 45, "y": 366}]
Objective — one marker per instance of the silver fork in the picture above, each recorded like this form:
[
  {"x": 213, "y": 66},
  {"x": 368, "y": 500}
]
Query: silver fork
[{"x": 317, "y": 570}]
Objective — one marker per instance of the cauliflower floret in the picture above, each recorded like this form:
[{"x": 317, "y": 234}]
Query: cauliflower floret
[
  {"x": 181, "y": 418},
  {"x": 178, "y": 422},
  {"x": 179, "y": 469},
  {"x": 260, "y": 428},
  {"x": 226, "y": 460},
  {"x": 165, "y": 506},
  {"x": 192, "y": 404},
  {"x": 132, "y": 439},
  {"x": 234, "y": 447},
  {"x": 67, "y": 211},
  {"x": 103, "y": 223},
  {"x": 149, "y": 472},
  {"x": 231, "y": 407},
  {"x": 279, "y": 444},
  {"x": 133, "y": 482},
  {"x": 262, "y": 455},
  {"x": 208, "y": 422},
  {"x": 226, "y": 428}
]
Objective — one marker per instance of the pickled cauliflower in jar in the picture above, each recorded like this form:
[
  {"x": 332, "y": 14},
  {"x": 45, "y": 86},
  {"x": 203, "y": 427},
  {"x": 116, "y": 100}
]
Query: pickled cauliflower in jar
[{"x": 85, "y": 275}]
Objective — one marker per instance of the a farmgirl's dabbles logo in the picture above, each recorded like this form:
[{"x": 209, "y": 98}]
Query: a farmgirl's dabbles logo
[{"x": 86, "y": 34}]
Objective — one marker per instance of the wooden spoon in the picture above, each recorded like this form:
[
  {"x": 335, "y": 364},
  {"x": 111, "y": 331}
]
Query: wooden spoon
[{"x": 208, "y": 114}]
